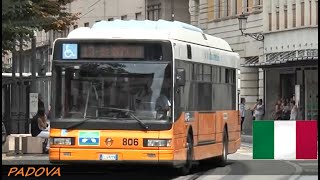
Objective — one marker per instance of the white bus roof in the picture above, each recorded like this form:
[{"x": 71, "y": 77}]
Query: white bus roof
[{"x": 149, "y": 30}]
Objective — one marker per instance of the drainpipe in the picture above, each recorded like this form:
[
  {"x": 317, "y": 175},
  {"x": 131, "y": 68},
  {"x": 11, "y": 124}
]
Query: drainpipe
[{"x": 172, "y": 10}]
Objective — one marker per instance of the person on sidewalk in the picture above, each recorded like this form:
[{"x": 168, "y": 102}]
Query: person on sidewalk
[
  {"x": 40, "y": 102},
  {"x": 278, "y": 111},
  {"x": 242, "y": 112},
  {"x": 259, "y": 110},
  {"x": 285, "y": 111},
  {"x": 253, "y": 110},
  {"x": 40, "y": 127},
  {"x": 294, "y": 111}
]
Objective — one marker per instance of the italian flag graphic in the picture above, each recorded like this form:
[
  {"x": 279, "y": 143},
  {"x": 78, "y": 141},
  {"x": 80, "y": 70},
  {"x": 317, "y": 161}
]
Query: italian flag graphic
[{"x": 285, "y": 140}]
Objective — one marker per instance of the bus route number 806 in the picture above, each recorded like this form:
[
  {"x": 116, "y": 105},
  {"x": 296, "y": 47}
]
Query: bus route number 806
[{"x": 130, "y": 142}]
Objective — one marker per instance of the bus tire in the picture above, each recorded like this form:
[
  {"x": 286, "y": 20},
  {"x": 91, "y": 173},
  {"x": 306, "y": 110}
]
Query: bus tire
[
  {"x": 222, "y": 161},
  {"x": 186, "y": 169}
]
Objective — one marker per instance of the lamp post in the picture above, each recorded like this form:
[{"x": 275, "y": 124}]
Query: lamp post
[
  {"x": 33, "y": 61},
  {"x": 243, "y": 26}
]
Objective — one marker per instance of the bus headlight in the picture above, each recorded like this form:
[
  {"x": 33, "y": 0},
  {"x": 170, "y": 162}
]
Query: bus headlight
[
  {"x": 61, "y": 141},
  {"x": 157, "y": 142}
]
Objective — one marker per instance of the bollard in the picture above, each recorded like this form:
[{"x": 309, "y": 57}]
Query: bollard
[
  {"x": 32, "y": 145},
  {"x": 16, "y": 145}
]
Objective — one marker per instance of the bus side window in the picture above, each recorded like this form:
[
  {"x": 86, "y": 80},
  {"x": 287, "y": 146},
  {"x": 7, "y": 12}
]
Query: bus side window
[{"x": 189, "y": 52}]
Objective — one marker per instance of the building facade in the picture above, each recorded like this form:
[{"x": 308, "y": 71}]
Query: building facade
[
  {"x": 177, "y": 10},
  {"x": 220, "y": 18},
  {"x": 290, "y": 62},
  {"x": 16, "y": 82},
  {"x": 284, "y": 64},
  {"x": 108, "y": 10}
]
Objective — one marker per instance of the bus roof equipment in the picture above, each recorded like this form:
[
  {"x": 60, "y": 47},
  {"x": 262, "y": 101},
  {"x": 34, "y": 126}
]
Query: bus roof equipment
[{"x": 160, "y": 30}]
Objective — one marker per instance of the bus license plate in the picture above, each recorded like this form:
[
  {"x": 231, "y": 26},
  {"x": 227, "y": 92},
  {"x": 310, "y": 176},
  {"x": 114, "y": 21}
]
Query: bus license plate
[{"x": 109, "y": 157}]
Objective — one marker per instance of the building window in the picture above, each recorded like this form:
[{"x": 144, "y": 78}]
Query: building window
[
  {"x": 310, "y": 10},
  {"x": 207, "y": 73},
  {"x": 218, "y": 9},
  {"x": 285, "y": 19},
  {"x": 236, "y": 6},
  {"x": 248, "y": 5},
  {"x": 124, "y": 17},
  {"x": 270, "y": 22},
  {"x": 239, "y": 6},
  {"x": 199, "y": 72},
  {"x": 139, "y": 16},
  {"x": 227, "y": 76},
  {"x": 75, "y": 26},
  {"x": 98, "y": 21},
  {"x": 110, "y": 19},
  {"x": 86, "y": 24},
  {"x": 197, "y": 11},
  {"x": 294, "y": 23},
  {"x": 228, "y": 8},
  {"x": 154, "y": 12},
  {"x": 277, "y": 17},
  {"x": 302, "y": 13}
]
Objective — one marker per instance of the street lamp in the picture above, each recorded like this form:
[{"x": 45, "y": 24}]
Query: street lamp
[
  {"x": 33, "y": 61},
  {"x": 243, "y": 26}
]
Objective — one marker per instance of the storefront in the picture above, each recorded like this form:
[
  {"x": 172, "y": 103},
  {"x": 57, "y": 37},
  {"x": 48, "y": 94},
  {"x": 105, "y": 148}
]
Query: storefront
[{"x": 290, "y": 75}]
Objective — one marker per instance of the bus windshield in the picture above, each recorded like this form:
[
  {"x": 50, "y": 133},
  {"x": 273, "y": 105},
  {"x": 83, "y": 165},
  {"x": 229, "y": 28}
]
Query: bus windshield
[{"x": 110, "y": 90}]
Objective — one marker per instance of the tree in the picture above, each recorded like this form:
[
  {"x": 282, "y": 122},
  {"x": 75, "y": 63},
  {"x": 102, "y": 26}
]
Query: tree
[{"x": 21, "y": 17}]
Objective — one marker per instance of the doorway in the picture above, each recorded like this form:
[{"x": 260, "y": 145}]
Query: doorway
[{"x": 287, "y": 82}]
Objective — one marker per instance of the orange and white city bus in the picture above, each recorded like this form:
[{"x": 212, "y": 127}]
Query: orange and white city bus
[{"x": 143, "y": 91}]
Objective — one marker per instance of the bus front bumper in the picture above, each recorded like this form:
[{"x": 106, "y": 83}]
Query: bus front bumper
[{"x": 113, "y": 156}]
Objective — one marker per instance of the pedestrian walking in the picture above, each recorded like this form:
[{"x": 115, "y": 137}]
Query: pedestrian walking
[{"x": 242, "y": 112}]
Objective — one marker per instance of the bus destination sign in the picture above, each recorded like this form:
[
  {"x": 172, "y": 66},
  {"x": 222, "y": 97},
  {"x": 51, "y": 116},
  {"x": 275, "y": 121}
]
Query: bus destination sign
[{"x": 98, "y": 51}]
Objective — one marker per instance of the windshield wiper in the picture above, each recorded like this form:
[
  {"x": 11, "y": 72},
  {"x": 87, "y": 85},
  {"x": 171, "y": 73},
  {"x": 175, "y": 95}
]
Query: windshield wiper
[
  {"x": 130, "y": 114},
  {"x": 137, "y": 119},
  {"x": 79, "y": 123}
]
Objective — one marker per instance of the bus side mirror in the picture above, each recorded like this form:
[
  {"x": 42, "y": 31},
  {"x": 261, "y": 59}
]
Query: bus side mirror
[{"x": 180, "y": 77}]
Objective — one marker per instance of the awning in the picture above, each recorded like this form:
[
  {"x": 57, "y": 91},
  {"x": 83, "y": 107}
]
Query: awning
[{"x": 284, "y": 59}]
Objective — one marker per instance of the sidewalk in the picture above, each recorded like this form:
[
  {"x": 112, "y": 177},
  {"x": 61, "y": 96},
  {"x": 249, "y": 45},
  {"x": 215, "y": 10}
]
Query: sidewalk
[
  {"x": 246, "y": 139},
  {"x": 25, "y": 159}
]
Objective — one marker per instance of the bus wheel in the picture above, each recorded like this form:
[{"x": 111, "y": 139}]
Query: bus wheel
[
  {"x": 186, "y": 169},
  {"x": 224, "y": 157}
]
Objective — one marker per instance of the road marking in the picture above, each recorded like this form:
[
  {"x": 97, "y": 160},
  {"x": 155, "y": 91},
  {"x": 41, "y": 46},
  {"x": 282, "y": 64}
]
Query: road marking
[
  {"x": 307, "y": 164},
  {"x": 209, "y": 175},
  {"x": 298, "y": 171},
  {"x": 311, "y": 170}
]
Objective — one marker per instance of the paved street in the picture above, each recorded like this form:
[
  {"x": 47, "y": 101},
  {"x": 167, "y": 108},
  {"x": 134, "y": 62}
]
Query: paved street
[{"x": 241, "y": 166}]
